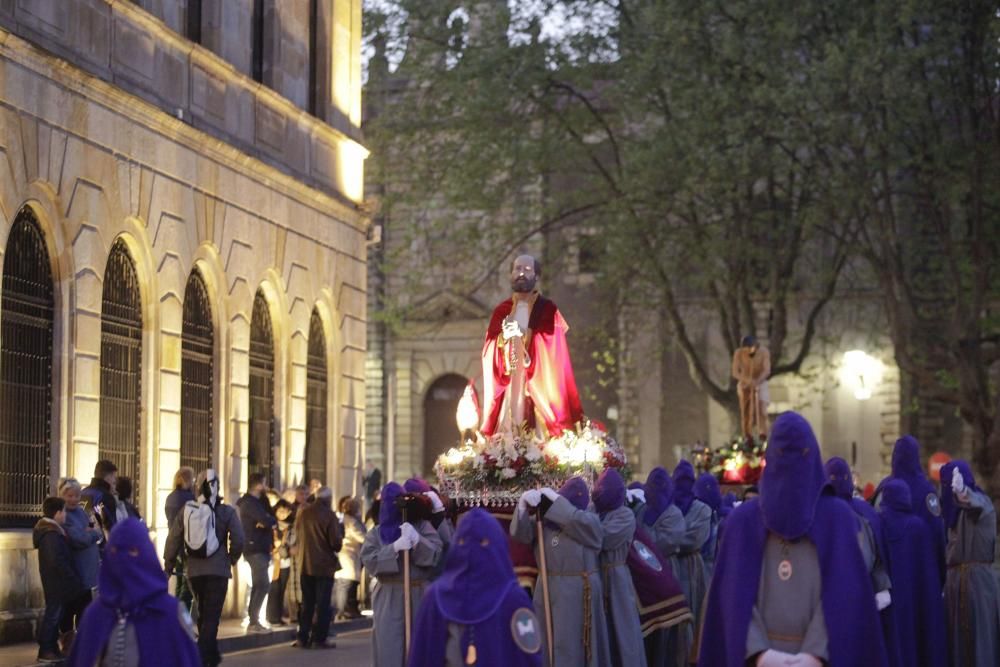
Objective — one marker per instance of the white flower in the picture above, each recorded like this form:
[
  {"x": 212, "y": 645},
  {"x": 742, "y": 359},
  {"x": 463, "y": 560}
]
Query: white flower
[
  {"x": 533, "y": 453},
  {"x": 508, "y": 473}
]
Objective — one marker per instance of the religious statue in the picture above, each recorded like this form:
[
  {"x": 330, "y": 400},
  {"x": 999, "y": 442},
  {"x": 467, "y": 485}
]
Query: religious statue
[
  {"x": 527, "y": 374},
  {"x": 751, "y": 368}
]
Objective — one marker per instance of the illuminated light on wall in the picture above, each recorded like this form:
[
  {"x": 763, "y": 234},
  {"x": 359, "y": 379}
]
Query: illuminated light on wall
[
  {"x": 351, "y": 170},
  {"x": 861, "y": 372}
]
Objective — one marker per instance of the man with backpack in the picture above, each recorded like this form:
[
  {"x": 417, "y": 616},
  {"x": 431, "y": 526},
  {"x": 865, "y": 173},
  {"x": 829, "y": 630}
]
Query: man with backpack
[{"x": 211, "y": 537}]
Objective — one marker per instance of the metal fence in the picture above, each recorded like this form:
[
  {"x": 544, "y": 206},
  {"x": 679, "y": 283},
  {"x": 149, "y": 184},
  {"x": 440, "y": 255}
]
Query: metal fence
[
  {"x": 197, "y": 375},
  {"x": 262, "y": 432}
]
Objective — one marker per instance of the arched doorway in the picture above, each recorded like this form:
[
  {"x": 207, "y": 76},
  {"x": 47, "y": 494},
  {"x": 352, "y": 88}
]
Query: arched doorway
[
  {"x": 121, "y": 367},
  {"x": 25, "y": 373},
  {"x": 262, "y": 428},
  {"x": 440, "y": 405},
  {"x": 197, "y": 376},
  {"x": 316, "y": 436}
]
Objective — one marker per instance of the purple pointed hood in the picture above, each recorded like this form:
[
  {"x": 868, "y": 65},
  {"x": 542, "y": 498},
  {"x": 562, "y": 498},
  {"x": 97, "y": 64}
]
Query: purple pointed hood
[
  {"x": 635, "y": 485},
  {"x": 130, "y": 569},
  {"x": 948, "y": 505},
  {"x": 609, "y": 491},
  {"x": 659, "y": 494},
  {"x": 684, "y": 486},
  {"x": 575, "y": 490},
  {"x": 389, "y": 516},
  {"x": 838, "y": 475},
  {"x": 906, "y": 458},
  {"x": 706, "y": 489},
  {"x": 896, "y": 497},
  {"x": 793, "y": 478},
  {"x": 416, "y": 485}
]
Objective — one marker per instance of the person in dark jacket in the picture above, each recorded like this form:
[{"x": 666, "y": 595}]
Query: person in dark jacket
[
  {"x": 99, "y": 498},
  {"x": 182, "y": 493},
  {"x": 209, "y": 576},
  {"x": 258, "y": 529},
  {"x": 319, "y": 540},
  {"x": 60, "y": 582},
  {"x": 123, "y": 493}
]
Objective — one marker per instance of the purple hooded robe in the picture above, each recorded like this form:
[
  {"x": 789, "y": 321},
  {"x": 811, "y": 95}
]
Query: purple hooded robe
[
  {"x": 917, "y": 607},
  {"x": 478, "y": 592},
  {"x": 133, "y": 584},
  {"x": 792, "y": 505}
]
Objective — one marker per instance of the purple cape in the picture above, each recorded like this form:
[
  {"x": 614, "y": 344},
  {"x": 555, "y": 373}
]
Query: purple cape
[
  {"x": 684, "y": 486},
  {"x": 918, "y": 612},
  {"x": 838, "y": 473},
  {"x": 659, "y": 494},
  {"x": 478, "y": 590},
  {"x": 792, "y": 504},
  {"x": 609, "y": 491},
  {"x": 389, "y": 516},
  {"x": 926, "y": 504},
  {"x": 131, "y": 582},
  {"x": 948, "y": 505}
]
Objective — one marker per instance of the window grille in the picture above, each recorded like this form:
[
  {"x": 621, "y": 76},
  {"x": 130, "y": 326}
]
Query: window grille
[
  {"x": 316, "y": 440},
  {"x": 197, "y": 377},
  {"x": 262, "y": 434},
  {"x": 121, "y": 367},
  {"x": 25, "y": 373}
]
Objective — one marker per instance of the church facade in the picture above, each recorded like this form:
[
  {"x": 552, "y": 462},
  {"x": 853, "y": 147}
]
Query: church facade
[{"x": 183, "y": 247}]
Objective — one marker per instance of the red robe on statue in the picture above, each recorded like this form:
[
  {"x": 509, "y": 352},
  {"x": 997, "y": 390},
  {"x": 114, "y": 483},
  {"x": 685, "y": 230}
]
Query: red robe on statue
[{"x": 550, "y": 387}]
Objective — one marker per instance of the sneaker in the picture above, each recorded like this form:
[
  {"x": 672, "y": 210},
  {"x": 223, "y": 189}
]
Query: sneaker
[
  {"x": 50, "y": 656},
  {"x": 257, "y": 628},
  {"x": 298, "y": 644}
]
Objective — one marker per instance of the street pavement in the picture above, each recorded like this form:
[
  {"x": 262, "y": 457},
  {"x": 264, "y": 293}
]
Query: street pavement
[{"x": 353, "y": 650}]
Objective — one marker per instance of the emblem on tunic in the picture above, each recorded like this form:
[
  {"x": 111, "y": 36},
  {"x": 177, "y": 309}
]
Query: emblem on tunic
[
  {"x": 933, "y": 504},
  {"x": 525, "y": 630},
  {"x": 647, "y": 556},
  {"x": 555, "y": 540},
  {"x": 785, "y": 570}
]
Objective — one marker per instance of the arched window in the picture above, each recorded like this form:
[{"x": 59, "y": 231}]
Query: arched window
[
  {"x": 440, "y": 406},
  {"x": 316, "y": 442},
  {"x": 121, "y": 366},
  {"x": 25, "y": 373},
  {"x": 197, "y": 364},
  {"x": 262, "y": 435}
]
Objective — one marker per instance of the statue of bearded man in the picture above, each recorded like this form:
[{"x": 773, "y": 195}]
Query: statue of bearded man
[{"x": 527, "y": 375}]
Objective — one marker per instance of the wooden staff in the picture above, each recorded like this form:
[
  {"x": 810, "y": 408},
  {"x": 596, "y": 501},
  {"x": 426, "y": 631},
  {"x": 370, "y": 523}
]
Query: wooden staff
[
  {"x": 756, "y": 409},
  {"x": 406, "y": 600},
  {"x": 544, "y": 574}
]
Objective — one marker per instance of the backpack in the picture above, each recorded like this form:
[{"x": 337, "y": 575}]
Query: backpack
[{"x": 200, "y": 540}]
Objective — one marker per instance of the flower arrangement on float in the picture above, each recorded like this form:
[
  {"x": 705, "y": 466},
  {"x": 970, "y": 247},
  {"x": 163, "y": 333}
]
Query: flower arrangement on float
[{"x": 740, "y": 461}]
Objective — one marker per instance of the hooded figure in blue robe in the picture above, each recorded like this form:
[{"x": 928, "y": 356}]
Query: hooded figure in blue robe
[
  {"x": 476, "y": 607},
  {"x": 926, "y": 503},
  {"x": 687, "y": 560},
  {"x": 972, "y": 592},
  {"x": 789, "y": 577},
  {"x": 917, "y": 608},
  {"x": 132, "y": 586},
  {"x": 706, "y": 489}
]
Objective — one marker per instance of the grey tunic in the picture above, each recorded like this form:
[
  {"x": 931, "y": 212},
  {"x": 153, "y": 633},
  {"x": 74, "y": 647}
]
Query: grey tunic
[
  {"x": 624, "y": 630},
  {"x": 788, "y": 615},
  {"x": 386, "y": 565},
  {"x": 972, "y": 592},
  {"x": 572, "y": 552},
  {"x": 687, "y": 561},
  {"x": 873, "y": 559},
  {"x": 670, "y": 647}
]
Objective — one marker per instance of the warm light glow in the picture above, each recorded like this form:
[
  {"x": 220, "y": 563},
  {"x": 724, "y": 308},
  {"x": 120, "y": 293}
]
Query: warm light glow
[
  {"x": 861, "y": 372},
  {"x": 351, "y": 169},
  {"x": 467, "y": 415}
]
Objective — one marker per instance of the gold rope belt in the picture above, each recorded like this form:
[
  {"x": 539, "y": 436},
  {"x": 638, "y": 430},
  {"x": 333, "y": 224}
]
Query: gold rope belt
[{"x": 588, "y": 613}]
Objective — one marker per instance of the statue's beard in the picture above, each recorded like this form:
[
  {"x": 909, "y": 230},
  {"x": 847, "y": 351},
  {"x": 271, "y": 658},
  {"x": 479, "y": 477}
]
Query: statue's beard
[{"x": 522, "y": 284}]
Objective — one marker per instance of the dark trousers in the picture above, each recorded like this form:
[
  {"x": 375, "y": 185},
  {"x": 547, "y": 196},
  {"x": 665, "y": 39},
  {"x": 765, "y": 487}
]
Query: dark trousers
[
  {"x": 48, "y": 627},
  {"x": 209, "y": 597},
  {"x": 276, "y": 598},
  {"x": 183, "y": 590},
  {"x": 345, "y": 592},
  {"x": 260, "y": 583},
  {"x": 315, "y": 599},
  {"x": 73, "y": 611}
]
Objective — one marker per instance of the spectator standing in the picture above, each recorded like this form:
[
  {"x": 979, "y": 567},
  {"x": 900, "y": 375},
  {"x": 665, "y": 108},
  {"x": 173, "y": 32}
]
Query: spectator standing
[
  {"x": 372, "y": 481},
  {"x": 180, "y": 496},
  {"x": 60, "y": 582},
  {"x": 348, "y": 577},
  {"x": 123, "y": 495},
  {"x": 282, "y": 568},
  {"x": 84, "y": 537},
  {"x": 258, "y": 526},
  {"x": 99, "y": 498},
  {"x": 134, "y": 621},
  {"x": 294, "y": 589},
  {"x": 208, "y": 574},
  {"x": 319, "y": 541}
]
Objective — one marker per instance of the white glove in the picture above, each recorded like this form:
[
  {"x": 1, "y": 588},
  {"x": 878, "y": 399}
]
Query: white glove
[
  {"x": 636, "y": 494},
  {"x": 883, "y": 599},
  {"x": 957, "y": 482},
  {"x": 408, "y": 537},
  {"x": 805, "y": 660},
  {"x": 436, "y": 504},
  {"x": 529, "y": 498},
  {"x": 550, "y": 494},
  {"x": 511, "y": 329},
  {"x": 772, "y": 658}
]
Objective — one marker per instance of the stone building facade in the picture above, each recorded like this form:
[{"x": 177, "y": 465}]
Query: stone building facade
[{"x": 183, "y": 244}]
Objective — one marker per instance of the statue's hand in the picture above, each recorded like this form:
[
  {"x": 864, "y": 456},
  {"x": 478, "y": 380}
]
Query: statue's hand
[{"x": 511, "y": 329}]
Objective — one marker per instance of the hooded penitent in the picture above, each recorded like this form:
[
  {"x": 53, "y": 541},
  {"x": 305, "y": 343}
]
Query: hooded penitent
[
  {"x": 416, "y": 485},
  {"x": 917, "y": 607},
  {"x": 478, "y": 590},
  {"x": 684, "y": 486},
  {"x": 706, "y": 489},
  {"x": 659, "y": 494},
  {"x": 792, "y": 506},
  {"x": 948, "y": 505},
  {"x": 609, "y": 491},
  {"x": 132, "y": 585},
  {"x": 838, "y": 474},
  {"x": 389, "y": 516},
  {"x": 576, "y": 492}
]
